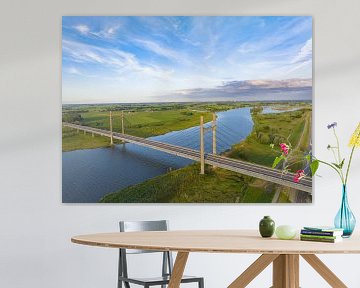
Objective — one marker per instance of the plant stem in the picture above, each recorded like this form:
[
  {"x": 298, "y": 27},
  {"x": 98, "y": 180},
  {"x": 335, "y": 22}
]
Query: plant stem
[
  {"x": 338, "y": 145},
  {"x": 337, "y": 171},
  {"x": 333, "y": 152},
  {"x": 340, "y": 159},
  {"x": 348, "y": 167}
]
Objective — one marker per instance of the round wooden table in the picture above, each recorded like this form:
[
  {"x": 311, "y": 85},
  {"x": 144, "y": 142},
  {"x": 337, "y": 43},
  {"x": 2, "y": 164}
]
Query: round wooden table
[{"x": 284, "y": 254}]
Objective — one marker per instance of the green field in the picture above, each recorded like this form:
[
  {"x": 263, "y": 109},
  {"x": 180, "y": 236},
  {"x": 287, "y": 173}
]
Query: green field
[
  {"x": 186, "y": 185},
  {"x": 143, "y": 120},
  {"x": 289, "y": 127},
  {"x": 72, "y": 140},
  {"x": 143, "y": 123}
]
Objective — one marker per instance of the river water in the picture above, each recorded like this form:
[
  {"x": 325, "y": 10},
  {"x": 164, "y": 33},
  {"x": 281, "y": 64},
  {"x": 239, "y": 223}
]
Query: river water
[
  {"x": 88, "y": 175},
  {"x": 272, "y": 110}
]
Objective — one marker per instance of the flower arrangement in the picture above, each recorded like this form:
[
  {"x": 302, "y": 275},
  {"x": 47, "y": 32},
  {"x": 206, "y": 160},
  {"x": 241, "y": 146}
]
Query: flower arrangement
[
  {"x": 344, "y": 219},
  {"x": 313, "y": 162}
]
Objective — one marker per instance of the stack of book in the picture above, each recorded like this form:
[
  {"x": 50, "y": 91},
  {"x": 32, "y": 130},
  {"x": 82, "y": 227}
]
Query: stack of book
[{"x": 321, "y": 234}]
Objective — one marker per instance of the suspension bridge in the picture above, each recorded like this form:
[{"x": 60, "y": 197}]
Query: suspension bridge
[{"x": 235, "y": 165}]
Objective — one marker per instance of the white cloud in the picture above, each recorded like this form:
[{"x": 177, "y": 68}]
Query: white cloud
[
  {"x": 73, "y": 70},
  {"x": 159, "y": 49},
  {"x": 302, "y": 60},
  {"x": 83, "y": 29},
  {"x": 107, "y": 32},
  {"x": 117, "y": 61},
  {"x": 305, "y": 53},
  {"x": 112, "y": 30}
]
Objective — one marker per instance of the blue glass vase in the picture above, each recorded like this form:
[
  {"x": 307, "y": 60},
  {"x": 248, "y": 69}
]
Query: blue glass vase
[{"x": 345, "y": 219}]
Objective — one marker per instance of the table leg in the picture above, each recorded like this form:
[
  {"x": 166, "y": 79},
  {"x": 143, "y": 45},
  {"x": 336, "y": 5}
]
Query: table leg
[
  {"x": 324, "y": 271},
  {"x": 253, "y": 270},
  {"x": 178, "y": 269},
  {"x": 286, "y": 271}
]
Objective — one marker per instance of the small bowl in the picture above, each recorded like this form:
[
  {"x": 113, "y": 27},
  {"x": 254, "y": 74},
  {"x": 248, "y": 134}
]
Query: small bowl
[{"x": 286, "y": 232}]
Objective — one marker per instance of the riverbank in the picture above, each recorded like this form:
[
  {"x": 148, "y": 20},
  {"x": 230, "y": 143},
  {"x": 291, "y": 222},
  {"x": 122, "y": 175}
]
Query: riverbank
[
  {"x": 186, "y": 185},
  {"x": 142, "y": 124},
  {"x": 142, "y": 120},
  {"x": 75, "y": 140},
  {"x": 289, "y": 127}
]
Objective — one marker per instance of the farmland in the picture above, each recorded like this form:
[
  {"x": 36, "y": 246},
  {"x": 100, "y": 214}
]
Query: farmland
[
  {"x": 290, "y": 127},
  {"x": 139, "y": 121},
  {"x": 221, "y": 186},
  {"x": 186, "y": 185}
]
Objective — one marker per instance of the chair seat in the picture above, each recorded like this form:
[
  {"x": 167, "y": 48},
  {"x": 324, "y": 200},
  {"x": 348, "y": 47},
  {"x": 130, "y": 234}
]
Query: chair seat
[{"x": 158, "y": 280}]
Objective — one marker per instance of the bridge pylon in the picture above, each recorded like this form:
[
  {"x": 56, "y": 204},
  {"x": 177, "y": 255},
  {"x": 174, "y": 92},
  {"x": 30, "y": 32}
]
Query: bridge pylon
[
  {"x": 213, "y": 128},
  {"x": 202, "y": 141},
  {"x": 202, "y": 152},
  {"x": 122, "y": 125},
  {"x": 111, "y": 130}
]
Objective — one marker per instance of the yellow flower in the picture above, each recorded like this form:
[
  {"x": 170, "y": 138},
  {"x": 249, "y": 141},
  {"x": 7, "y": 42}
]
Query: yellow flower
[{"x": 355, "y": 138}]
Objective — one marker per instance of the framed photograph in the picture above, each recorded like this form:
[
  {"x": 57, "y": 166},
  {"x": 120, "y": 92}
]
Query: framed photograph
[{"x": 186, "y": 109}]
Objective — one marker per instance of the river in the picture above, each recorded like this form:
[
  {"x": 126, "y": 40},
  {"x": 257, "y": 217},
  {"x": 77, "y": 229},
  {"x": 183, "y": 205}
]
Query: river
[{"x": 88, "y": 175}]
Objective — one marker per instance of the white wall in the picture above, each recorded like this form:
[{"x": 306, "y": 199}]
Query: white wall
[{"x": 35, "y": 227}]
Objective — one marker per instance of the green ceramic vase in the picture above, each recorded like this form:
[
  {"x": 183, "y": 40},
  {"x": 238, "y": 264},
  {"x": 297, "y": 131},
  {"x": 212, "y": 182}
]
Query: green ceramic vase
[{"x": 266, "y": 227}]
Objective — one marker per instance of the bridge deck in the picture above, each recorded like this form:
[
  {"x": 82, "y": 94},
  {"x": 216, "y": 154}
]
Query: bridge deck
[{"x": 242, "y": 167}]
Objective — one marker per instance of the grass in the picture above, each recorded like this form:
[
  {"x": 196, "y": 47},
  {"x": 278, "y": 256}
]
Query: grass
[
  {"x": 142, "y": 124},
  {"x": 258, "y": 195},
  {"x": 186, "y": 185},
  {"x": 303, "y": 143},
  {"x": 145, "y": 123},
  {"x": 284, "y": 198},
  {"x": 273, "y": 129},
  {"x": 72, "y": 140}
]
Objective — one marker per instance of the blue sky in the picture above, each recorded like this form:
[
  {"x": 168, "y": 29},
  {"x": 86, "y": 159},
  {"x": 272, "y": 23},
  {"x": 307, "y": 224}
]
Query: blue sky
[{"x": 159, "y": 59}]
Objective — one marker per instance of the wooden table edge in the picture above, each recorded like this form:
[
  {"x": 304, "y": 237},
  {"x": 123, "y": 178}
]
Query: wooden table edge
[
  {"x": 285, "y": 262},
  {"x": 203, "y": 250}
]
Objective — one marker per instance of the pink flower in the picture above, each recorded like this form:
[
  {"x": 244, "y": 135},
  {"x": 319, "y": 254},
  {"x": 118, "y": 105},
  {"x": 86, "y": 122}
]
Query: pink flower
[
  {"x": 299, "y": 175},
  {"x": 284, "y": 148}
]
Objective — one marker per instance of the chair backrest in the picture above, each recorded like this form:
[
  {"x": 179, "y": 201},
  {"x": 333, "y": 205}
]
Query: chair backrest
[
  {"x": 133, "y": 226},
  {"x": 138, "y": 226}
]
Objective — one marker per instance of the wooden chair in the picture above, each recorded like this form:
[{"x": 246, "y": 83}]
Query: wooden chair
[{"x": 167, "y": 263}]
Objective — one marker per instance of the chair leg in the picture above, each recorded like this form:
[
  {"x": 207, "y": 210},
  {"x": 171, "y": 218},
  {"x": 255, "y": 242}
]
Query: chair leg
[{"x": 201, "y": 283}]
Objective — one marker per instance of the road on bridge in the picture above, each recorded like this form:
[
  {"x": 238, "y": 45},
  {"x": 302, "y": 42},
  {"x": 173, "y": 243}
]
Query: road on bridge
[{"x": 242, "y": 167}]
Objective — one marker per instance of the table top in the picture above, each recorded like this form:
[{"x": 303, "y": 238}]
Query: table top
[{"x": 217, "y": 241}]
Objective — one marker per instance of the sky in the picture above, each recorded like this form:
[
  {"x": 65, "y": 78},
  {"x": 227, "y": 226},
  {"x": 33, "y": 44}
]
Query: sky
[{"x": 129, "y": 59}]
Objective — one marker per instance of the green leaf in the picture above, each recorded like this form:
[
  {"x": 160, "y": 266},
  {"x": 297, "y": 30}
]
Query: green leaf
[
  {"x": 336, "y": 165},
  {"x": 314, "y": 167},
  {"x": 342, "y": 163},
  {"x": 277, "y": 160},
  {"x": 308, "y": 157}
]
